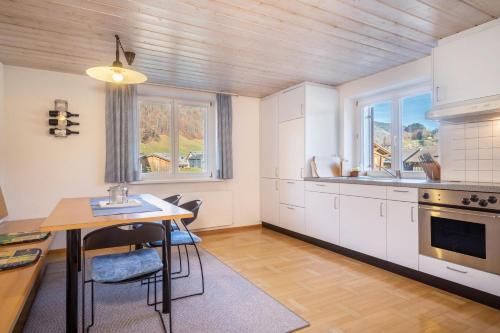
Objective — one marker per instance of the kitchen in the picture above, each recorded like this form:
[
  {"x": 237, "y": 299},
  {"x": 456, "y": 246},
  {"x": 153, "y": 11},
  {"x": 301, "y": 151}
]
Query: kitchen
[{"x": 307, "y": 165}]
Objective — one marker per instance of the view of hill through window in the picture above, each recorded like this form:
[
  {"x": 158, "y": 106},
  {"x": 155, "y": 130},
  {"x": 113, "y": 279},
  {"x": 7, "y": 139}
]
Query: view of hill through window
[{"x": 156, "y": 132}]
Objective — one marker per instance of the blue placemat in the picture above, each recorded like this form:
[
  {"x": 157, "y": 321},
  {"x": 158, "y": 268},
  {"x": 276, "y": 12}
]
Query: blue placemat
[{"x": 144, "y": 207}]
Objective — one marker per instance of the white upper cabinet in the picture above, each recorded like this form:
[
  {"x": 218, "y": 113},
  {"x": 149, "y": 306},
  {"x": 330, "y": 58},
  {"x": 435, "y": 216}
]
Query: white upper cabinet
[
  {"x": 269, "y": 137},
  {"x": 466, "y": 65},
  {"x": 291, "y": 149},
  {"x": 291, "y": 104},
  {"x": 402, "y": 233}
]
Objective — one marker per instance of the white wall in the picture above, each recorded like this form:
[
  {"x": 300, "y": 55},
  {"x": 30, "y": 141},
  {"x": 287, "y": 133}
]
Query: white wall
[
  {"x": 415, "y": 72},
  {"x": 2, "y": 128},
  {"x": 42, "y": 169}
]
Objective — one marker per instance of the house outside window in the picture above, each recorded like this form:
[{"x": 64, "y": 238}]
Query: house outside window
[
  {"x": 395, "y": 133},
  {"x": 177, "y": 138}
]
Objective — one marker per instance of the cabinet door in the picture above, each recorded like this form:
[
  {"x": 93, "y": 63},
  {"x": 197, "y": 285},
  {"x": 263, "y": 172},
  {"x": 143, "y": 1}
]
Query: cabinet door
[
  {"x": 322, "y": 216},
  {"x": 291, "y": 149},
  {"x": 269, "y": 137},
  {"x": 291, "y": 104},
  {"x": 402, "y": 233},
  {"x": 292, "y": 218},
  {"x": 292, "y": 192},
  {"x": 467, "y": 67},
  {"x": 269, "y": 200},
  {"x": 363, "y": 225}
]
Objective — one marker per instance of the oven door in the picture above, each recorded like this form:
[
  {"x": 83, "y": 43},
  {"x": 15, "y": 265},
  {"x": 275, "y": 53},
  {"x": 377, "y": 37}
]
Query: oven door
[{"x": 460, "y": 236}]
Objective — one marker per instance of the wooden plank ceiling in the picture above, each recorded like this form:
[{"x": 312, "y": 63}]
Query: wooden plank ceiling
[{"x": 248, "y": 47}]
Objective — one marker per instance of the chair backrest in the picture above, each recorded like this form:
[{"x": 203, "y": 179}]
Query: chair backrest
[
  {"x": 123, "y": 235},
  {"x": 173, "y": 199},
  {"x": 3, "y": 206},
  {"x": 193, "y": 207}
]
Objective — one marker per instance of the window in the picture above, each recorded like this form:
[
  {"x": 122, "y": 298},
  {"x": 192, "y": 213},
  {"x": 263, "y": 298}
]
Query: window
[
  {"x": 395, "y": 132},
  {"x": 177, "y": 138}
]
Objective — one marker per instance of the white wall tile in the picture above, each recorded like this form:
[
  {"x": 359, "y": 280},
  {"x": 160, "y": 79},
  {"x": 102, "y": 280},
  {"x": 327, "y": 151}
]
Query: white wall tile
[
  {"x": 496, "y": 176},
  {"x": 485, "y": 154},
  {"x": 471, "y": 132},
  {"x": 496, "y": 153},
  {"x": 485, "y": 176},
  {"x": 496, "y": 165},
  {"x": 485, "y": 142},
  {"x": 496, "y": 141},
  {"x": 485, "y": 165},
  {"x": 472, "y": 154},
  {"x": 471, "y": 176},
  {"x": 485, "y": 129},
  {"x": 471, "y": 143},
  {"x": 457, "y": 144}
]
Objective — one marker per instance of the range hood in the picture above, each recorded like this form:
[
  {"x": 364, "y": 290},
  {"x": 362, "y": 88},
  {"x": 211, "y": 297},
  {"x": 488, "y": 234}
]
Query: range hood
[{"x": 481, "y": 109}]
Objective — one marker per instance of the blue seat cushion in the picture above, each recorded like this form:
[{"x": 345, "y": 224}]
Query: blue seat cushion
[
  {"x": 124, "y": 266},
  {"x": 182, "y": 237}
]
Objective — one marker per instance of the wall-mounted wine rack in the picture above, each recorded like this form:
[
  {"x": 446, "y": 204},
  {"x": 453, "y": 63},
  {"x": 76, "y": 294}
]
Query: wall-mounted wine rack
[{"x": 59, "y": 120}]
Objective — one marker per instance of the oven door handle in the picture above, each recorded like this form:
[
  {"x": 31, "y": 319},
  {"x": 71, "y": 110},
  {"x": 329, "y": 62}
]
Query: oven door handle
[{"x": 441, "y": 210}]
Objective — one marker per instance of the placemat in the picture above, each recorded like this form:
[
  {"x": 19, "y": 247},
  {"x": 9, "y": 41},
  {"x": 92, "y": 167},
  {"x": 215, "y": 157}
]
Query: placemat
[
  {"x": 101, "y": 211},
  {"x": 23, "y": 237},
  {"x": 10, "y": 259}
]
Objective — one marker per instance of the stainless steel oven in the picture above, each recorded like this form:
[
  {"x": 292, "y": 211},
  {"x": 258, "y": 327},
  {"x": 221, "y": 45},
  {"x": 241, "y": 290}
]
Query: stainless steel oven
[{"x": 460, "y": 227}]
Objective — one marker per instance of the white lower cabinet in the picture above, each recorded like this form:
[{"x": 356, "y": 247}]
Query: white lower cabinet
[
  {"x": 292, "y": 192},
  {"x": 467, "y": 276},
  {"x": 269, "y": 200},
  {"x": 402, "y": 233},
  {"x": 292, "y": 218},
  {"x": 363, "y": 225},
  {"x": 322, "y": 216}
]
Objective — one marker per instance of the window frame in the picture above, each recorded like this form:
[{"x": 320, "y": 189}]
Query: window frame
[
  {"x": 209, "y": 139},
  {"x": 396, "y": 97}
]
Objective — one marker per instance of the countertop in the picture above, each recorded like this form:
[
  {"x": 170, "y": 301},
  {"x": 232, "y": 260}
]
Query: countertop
[{"x": 408, "y": 182}]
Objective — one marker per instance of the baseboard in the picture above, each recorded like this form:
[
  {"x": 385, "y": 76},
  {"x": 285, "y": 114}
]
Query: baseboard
[
  {"x": 228, "y": 229},
  {"x": 434, "y": 281}
]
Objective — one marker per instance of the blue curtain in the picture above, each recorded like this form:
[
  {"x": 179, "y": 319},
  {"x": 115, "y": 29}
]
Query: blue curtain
[{"x": 224, "y": 137}]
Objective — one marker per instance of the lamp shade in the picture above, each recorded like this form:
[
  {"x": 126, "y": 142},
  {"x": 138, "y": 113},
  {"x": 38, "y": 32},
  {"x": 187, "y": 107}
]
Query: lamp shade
[{"x": 116, "y": 75}]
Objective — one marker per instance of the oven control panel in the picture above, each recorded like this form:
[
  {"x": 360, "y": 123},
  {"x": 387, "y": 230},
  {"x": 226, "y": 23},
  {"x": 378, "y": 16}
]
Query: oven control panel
[{"x": 477, "y": 200}]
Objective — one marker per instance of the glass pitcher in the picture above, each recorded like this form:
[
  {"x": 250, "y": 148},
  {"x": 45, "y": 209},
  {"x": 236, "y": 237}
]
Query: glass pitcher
[{"x": 118, "y": 194}]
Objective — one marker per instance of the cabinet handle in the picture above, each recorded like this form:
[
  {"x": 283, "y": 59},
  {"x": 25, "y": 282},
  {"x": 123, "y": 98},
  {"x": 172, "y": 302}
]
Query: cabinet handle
[
  {"x": 320, "y": 185},
  {"x": 381, "y": 207},
  {"x": 411, "y": 214},
  {"x": 290, "y": 183},
  {"x": 401, "y": 191},
  {"x": 276, "y": 172},
  {"x": 335, "y": 206},
  {"x": 302, "y": 109},
  {"x": 456, "y": 270},
  {"x": 301, "y": 173},
  {"x": 277, "y": 185},
  {"x": 437, "y": 93},
  {"x": 290, "y": 207}
]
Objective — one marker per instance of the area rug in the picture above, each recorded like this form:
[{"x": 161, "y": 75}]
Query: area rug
[{"x": 230, "y": 304}]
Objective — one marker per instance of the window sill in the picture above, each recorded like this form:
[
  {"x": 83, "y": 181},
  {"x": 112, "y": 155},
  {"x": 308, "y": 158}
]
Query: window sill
[{"x": 177, "y": 180}]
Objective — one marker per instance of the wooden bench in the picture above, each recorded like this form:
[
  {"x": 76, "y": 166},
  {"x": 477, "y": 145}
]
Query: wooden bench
[{"x": 18, "y": 286}]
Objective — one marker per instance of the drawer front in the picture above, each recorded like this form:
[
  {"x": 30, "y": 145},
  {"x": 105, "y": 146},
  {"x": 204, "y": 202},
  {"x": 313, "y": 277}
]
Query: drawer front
[
  {"x": 322, "y": 187},
  {"x": 366, "y": 191},
  {"x": 292, "y": 192},
  {"x": 466, "y": 276},
  {"x": 292, "y": 218},
  {"x": 407, "y": 194}
]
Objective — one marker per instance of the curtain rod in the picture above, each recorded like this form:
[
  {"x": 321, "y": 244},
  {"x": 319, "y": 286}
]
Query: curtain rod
[{"x": 192, "y": 89}]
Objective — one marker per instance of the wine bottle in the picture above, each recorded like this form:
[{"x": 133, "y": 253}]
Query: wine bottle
[
  {"x": 62, "y": 132},
  {"x": 55, "y": 113},
  {"x": 62, "y": 123}
]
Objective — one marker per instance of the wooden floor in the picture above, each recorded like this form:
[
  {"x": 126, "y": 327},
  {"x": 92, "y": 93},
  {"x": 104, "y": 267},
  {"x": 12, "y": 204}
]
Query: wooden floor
[{"x": 337, "y": 294}]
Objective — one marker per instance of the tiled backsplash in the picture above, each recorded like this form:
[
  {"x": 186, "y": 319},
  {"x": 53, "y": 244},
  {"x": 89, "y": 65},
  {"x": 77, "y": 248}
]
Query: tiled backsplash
[{"x": 470, "y": 152}]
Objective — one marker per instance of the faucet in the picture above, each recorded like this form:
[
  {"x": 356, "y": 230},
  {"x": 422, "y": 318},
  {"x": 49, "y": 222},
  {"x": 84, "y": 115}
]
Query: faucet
[{"x": 396, "y": 175}]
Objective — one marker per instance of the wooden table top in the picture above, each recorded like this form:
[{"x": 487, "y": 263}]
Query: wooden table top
[{"x": 76, "y": 213}]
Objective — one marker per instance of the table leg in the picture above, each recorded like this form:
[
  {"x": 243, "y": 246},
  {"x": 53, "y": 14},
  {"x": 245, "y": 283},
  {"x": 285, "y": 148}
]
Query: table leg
[
  {"x": 167, "y": 278},
  {"x": 79, "y": 249},
  {"x": 72, "y": 249}
]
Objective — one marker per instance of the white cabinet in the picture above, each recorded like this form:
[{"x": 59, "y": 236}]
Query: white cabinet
[
  {"x": 291, "y": 149},
  {"x": 367, "y": 191},
  {"x": 363, "y": 225},
  {"x": 292, "y": 218},
  {"x": 269, "y": 200},
  {"x": 292, "y": 192},
  {"x": 466, "y": 276},
  {"x": 322, "y": 216},
  {"x": 291, "y": 104},
  {"x": 466, "y": 65},
  {"x": 402, "y": 233},
  {"x": 269, "y": 137}
]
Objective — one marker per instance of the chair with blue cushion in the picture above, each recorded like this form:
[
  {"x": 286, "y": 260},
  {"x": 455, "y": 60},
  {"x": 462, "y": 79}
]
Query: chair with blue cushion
[
  {"x": 186, "y": 238},
  {"x": 119, "y": 268}
]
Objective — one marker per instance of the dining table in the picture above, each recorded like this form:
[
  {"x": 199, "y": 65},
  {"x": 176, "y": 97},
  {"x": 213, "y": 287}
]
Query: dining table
[{"x": 72, "y": 215}]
